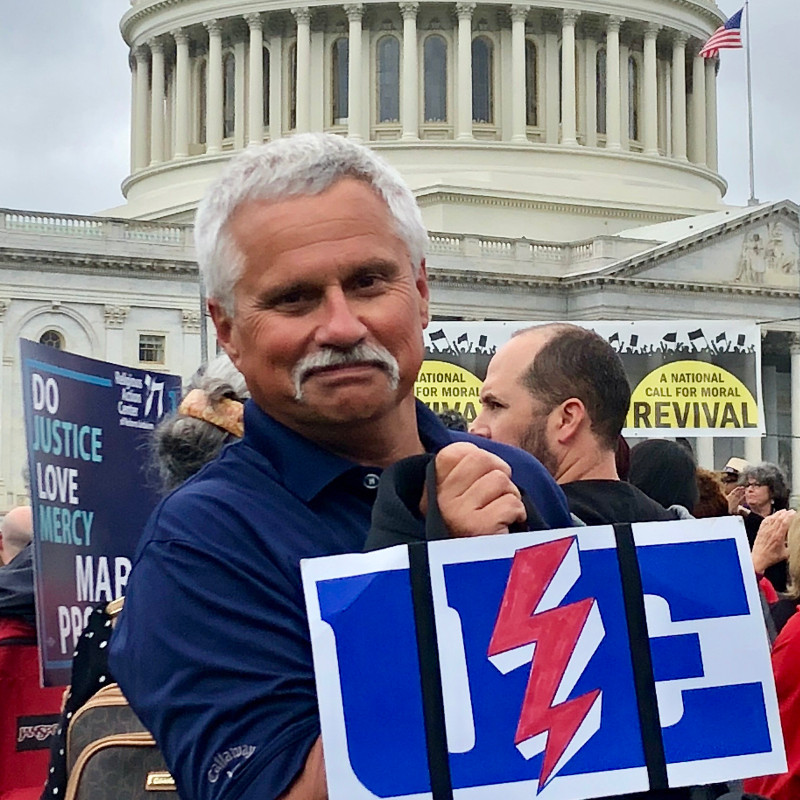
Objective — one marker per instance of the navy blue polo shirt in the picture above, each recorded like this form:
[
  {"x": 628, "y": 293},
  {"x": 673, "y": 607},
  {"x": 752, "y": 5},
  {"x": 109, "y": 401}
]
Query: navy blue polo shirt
[{"x": 212, "y": 648}]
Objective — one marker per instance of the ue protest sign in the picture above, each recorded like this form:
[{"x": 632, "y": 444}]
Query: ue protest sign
[
  {"x": 86, "y": 425},
  {"x": 688, "y": 377},
  {"x": 567, "y": 664}
]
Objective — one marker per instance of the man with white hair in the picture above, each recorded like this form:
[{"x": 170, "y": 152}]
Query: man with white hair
[
  {"x": 312, "y": 251},
  {"x": 16, "y": 554}
]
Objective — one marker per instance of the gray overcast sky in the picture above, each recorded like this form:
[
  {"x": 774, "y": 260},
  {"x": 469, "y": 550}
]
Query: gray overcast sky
[{"x": 65, "y": 100}]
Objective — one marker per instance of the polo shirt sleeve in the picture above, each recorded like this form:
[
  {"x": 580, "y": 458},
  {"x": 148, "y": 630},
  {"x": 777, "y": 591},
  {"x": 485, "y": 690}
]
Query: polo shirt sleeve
[{"x": 212, "y": 652}]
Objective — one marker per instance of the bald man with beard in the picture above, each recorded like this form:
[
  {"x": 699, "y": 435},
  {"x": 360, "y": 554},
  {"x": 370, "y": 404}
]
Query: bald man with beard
[{"x": 560, "y": 392}]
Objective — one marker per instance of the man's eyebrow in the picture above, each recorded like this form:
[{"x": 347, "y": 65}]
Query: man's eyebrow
[
  {"x": 272, "y": 293},
  {"x": 382, "y": 264}
]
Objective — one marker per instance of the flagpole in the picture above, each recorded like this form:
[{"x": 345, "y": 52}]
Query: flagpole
[{"x": 752, "y": 201}]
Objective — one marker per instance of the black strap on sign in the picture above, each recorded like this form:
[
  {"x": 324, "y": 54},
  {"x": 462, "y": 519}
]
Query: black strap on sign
[
  {"x": 430, "y": 672},
  {"x": 427, "y": 643},
  {"x": 643, "y": 677}
]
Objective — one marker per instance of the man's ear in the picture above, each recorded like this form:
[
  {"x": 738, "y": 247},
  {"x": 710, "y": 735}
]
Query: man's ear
[
  {"x": 570, "y": 416},
  {"x": 224, "y": 325},
  {"x": 421, "y": 282}
]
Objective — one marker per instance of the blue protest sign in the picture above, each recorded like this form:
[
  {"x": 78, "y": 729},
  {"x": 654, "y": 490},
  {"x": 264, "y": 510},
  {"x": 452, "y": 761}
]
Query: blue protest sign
[
  {"x": 561, "y": 675},
  {"x": 86, "y": 425}
]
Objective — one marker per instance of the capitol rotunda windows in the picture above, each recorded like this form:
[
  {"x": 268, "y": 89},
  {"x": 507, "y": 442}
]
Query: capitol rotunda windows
[
  {"x": 435, "y": 80},
  {"x": 387, "y": 58}
]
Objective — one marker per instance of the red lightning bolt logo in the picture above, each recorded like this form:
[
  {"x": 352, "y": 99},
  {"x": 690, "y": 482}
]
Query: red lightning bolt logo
[{"x": 540, "y": 577}]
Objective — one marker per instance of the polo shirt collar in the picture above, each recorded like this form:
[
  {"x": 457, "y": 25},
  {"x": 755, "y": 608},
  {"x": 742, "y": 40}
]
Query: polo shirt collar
[{"x": 305, "y": 467}]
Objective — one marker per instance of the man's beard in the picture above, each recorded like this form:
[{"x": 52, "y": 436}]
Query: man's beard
[
  {"x": 372, "y": 354},
  {"x": 534, "y": 441}
]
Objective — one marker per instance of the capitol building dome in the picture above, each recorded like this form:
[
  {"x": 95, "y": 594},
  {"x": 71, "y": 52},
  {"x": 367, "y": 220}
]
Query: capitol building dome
[{"x": 551, "y": 121}]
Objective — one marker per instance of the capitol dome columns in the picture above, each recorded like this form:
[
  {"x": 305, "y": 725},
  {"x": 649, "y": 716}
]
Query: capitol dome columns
[
  {"x": 590, "y": 82},
  {"x": 303, "y": 54},
  {"x": 679, "y": 96},
  {"x": 255, "y": 88},
  {"x": 518, "y": 15},
  {"x": 569, "y": 132},
  {"x": 613, "y": 97},
  {"x": 140, "y": 137},
  {"x": 409, "y": 111},
  {"x": 464, "y": 81},
  {"x": 711, "y": 113},
  {"x": 650, "y": 90},
  {"x": 214, "y": 123},
  {"x": 697, "y": 144},
  {"x": 355, "y": 14},
  {"x": 157, "y": 102},
  {"x": 182, "y": 93}
]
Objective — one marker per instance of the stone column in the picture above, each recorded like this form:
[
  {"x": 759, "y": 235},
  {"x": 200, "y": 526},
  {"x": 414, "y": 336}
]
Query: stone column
[
  {"x": 711, "y": 113},
  {"x": 590, "y": 101},
  {"x": 133, "y": 126},
  {"x": 664, "y": 145},
  {"x": 704, "y": 447},
  {"x": 679, "y": 96},
  {"x": 613, "y": 107},
  {"x": 409, "y": 110},
  {"x": 140, "y": 130},
  {"x": 769, "y": 380},
  {"x": 214, "y": 122},
  {"x": 650, "y": 128},
  {"x": 275, "y": 80},
  {"x": 157, "y": 103},
  {"x": 697, "y": 152},
  {"x": 752, "y": 449},
  {"x": 182, "y": 93},
  {"x": 794, "y": 394},
  {"x": 569, "y": 134},
  {"x": 255, "y": 81},
  {"x": 519, "y": 14},
  {"x": 239, "y": 94},
  {"x": 464, "y": 81},
  {"x": 355, "y": 93},
  {"x": 303, "y": 18},
  {"x": 625, "y": 97}
]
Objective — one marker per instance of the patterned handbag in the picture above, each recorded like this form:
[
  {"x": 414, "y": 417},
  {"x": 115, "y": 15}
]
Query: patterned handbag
[{"x": 110, "y": 754}]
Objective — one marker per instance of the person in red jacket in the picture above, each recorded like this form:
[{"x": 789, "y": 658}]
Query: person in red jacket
[
  {"x": 786, "y": 666},
  {"x": 28, "y": 713}
]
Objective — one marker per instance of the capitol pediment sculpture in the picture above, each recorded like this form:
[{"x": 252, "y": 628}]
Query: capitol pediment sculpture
[{"x": 769, "y": 253}]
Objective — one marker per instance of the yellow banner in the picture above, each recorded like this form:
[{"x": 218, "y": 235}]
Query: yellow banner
[
  {"x": 691, "y": 394},
  {"x": 443, "y": 386}
]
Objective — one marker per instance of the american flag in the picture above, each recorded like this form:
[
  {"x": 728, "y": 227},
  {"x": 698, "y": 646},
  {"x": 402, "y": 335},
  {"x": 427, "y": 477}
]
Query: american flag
[{"x": 726, "y": 37}]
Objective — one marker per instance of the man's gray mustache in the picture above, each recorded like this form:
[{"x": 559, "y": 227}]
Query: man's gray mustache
[{"x": 330, "y": 357}]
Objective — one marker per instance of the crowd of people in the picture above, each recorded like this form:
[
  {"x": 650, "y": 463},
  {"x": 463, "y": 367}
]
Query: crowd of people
[{"x": 312, "y": 253}]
